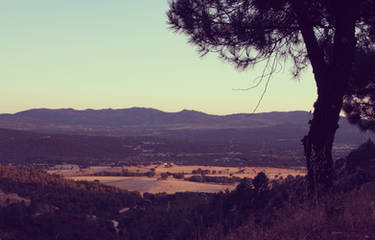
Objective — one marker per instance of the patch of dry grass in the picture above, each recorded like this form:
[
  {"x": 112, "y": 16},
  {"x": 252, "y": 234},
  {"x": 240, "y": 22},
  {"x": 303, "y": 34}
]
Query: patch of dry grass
[
  {"x": 249, "y": 172},
  {"x": 154, "y": 185},
  {"x": 171, "y": 185},
  {"x": 348, "y": 216}
]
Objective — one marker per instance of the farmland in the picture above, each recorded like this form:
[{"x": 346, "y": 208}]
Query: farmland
[{"x": 169, "y": 184}]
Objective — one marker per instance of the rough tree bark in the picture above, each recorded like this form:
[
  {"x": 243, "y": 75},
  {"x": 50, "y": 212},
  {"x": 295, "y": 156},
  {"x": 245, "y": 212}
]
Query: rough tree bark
[{"x": 331, "y": 78}]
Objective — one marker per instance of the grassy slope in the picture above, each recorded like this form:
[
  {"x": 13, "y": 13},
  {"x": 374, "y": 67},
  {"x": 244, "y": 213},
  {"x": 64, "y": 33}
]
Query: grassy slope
[
  {"x": 339, "y": 216},
  {"x": 348, "y": 212}
]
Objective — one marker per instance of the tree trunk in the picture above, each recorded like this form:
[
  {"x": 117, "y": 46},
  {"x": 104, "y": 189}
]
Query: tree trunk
[
  {"x": 318, "y": 144},
  {"x": 331, "y": 80}
]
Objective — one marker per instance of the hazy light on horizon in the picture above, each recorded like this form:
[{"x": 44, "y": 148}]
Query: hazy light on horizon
[{"x": 120, "y": 54}]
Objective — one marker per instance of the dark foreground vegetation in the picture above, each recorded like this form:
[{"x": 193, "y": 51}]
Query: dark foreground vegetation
[{"x": 257, "y": 209}]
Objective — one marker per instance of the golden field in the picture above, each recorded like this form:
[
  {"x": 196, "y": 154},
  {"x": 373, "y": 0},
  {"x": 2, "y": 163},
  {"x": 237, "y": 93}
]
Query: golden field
[
  {"x": 170, "y": 185},
  {"x": 155, "y": 185}
]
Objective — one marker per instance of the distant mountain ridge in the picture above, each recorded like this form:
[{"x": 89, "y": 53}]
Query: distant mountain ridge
[
  {"x": 146, "y": 117},
  {"x": 187, "y": 124}
]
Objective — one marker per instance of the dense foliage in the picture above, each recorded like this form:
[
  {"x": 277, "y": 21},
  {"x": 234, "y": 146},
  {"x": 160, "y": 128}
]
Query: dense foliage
[
  {"x": 213, "y": 179},
  {"x": 18, "y": 222},
  {"x": 67, "y": 195}
]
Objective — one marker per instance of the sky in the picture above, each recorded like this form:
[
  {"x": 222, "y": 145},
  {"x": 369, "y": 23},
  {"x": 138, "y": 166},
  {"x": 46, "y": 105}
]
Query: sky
[{"x": 120, "y": 54}]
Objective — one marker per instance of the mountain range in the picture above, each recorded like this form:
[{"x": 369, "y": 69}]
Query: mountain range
[
  {"x": 35, "y": 118},
  {"x": 52, "y": 133},
  {"x": 152, "y": 122}
]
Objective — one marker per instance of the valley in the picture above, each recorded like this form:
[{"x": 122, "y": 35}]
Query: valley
[
  {"x": 144, "y": 174},
  {"x": 171, "y": 178}
]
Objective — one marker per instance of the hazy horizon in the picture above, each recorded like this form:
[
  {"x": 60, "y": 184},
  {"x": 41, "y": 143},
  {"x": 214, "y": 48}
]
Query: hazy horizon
[
  {"x": 119, "y": 54},
  {"x": 140, "y": 107}
]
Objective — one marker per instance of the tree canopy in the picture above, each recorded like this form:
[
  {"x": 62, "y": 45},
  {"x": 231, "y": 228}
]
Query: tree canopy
[
  {"x": 359, "y": 101},
  {"x": 246, "y": 32}
]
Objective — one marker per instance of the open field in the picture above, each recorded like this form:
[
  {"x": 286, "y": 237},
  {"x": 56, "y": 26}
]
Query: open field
[
  {"x": 170, "y": 185},
  {"x": 153, "y": 185},
  {"x": 250, "y": 172}
]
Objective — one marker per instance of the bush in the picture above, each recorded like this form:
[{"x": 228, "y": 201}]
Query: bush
[{"x": 164, "y": 176}]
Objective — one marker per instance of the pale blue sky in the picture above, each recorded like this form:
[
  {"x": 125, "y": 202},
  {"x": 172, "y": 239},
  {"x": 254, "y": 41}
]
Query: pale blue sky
[{"x": 119, "y": 54}]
